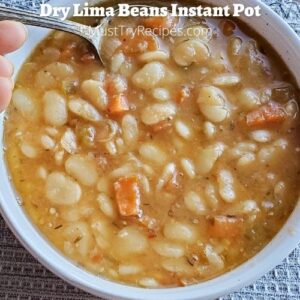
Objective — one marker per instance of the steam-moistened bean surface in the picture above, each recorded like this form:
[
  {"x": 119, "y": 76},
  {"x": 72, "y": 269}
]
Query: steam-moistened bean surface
[{"x": 172, "y": 165}]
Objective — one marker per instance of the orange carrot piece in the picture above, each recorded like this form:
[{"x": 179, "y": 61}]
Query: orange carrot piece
[
  {"x": 158, "y": 24},
  {"x": 96, "y": 255},
  {"x": 138, "y": 42},
  {"x": 227, "y": 27},
  {"x": 268, "y": 114},
  {"x": 128, "y": 196},
  {"x": 118, "y": 104},
  {"x": 226, "y": 227}
]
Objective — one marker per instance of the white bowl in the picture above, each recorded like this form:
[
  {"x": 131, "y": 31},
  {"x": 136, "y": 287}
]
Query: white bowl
[{"x": 287, "y": 45}]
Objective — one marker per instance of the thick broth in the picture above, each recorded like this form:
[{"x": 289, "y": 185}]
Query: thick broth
[{"x": 175, "y": 164}]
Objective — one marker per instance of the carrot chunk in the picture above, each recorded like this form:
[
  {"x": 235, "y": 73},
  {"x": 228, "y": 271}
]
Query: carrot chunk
[
  {"x": 226, "y": 227},
  {"x": 96, "y": 255},
  {"x": 227, "y": 27},
  {"x": 160, "y": 24},
  {"x": 128, "y": 196},
  {"x": 138, "y": 42},
  {"x": 118, "y": 104},
  {"x": 271, "y": 113}
]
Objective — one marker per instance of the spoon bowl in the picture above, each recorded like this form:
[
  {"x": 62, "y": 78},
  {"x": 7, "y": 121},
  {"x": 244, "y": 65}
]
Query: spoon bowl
[{"x": 94, "y": 35}]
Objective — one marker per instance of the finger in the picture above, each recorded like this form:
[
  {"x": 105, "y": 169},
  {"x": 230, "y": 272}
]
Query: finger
[
  {"x": 12, "y": 36},
  {"x": 6, "y": 86},
  {"x": 6, "y": 67}
]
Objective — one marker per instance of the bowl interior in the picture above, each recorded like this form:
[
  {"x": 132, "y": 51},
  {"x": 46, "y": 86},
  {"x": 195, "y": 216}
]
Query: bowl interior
[{"x": 287, "y": 45}]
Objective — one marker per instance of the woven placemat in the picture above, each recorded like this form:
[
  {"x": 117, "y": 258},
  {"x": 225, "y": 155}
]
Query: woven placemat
[{"x": 22, "y": 277}]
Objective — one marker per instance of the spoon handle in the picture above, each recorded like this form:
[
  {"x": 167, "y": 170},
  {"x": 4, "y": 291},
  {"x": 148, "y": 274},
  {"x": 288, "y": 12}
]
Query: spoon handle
[{"x": 34, "y": 19}]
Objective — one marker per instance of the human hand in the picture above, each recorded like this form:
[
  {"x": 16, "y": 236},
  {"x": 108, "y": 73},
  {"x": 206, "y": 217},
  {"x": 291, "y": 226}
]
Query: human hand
[{"x": 12, "y": 36}]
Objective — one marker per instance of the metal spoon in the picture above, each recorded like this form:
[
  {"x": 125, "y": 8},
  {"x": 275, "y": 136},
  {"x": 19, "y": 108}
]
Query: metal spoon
[{"x": 92, "y": 34}]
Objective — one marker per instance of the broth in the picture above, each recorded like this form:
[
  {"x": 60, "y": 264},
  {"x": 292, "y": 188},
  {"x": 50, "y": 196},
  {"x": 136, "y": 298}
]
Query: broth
[{"x": 176, "y": 163}]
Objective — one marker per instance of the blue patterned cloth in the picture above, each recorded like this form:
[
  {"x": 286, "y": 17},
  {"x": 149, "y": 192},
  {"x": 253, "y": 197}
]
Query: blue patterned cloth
[{"x": 22, "y": 277}]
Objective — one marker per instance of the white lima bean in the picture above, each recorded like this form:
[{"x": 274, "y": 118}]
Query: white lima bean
[
  {"x": 62, "y": 190},
  {"x": 82, "y": 168},
  {"x": 59, "y": 157},
  {"x": 69, "y": 141},
  {"x": 70, "y": 214},
  {"x": 29, "y": 150},
  {"x": 42, "y": 173},
  {"x": 248, "y": 99},
  {"x": 24, "y": 103},
  {"x": 226, "y": 80},
  {"x": 261, "y": 136},
  {"x": 129, "y": 241},
  {"x": 235, "y": 46},
  {"x": 209, "y": 129},
  {"x": 208, "y": 157},
  {"x": 167, "y": 249},
  {"x": 180, "y": 231},
  {"x": 195, "y": 203},
  {"x": 249, "y": 206},
  {"x": 47, "y": 142},
  {"x": 120, "y": 83},
  {"x": 51, "y": 53},
  {"x": 183, "y": 129},
  {"x": 158, "y": 112},
  {"x": 189, "y": 52},
  {"x": 111, "y": 147},
  {"x": 144, "y": 182},
  {"x": 79, "y": 234},
  {"x": 150, "y": 56},
  {"x": 281, "y": 144},
  {"x": 266, "y": 154},
  {"x": 149, "y": 282},
  {"x": 149, "y": 76},
  {"x": 153, "y": 153},
  {"x": 129, "y": 269},
  {"x": 45, "y": 80},
  {"x": 102, "y": 232},
  {"x": 117, "y": 61},
  {"x": 93, "y": 91},
  {"x": 211, "y": 195},
  {"x": 124, "y": 170},
  {"x": 109, "y": 47},
  {"x": 52, "y": 131},
  {"x": 242, "y": 148},
  {"x": 279, "y": 191},
  {"x": 167, "y": 174},
  {"x": 177, "y": 265},
  {"x": 104, "y": 186},
  {"x": 84, "y": 110},
  {"x": 59, "y": 70},
  {"x": 188, "y": 167},
  {"x": 213, "y": 257},
  {"x": 226, "y": 186},
  {"x": 120, "y": 145},
  {"x": 106, "y": 205},
  {"x": 212, "y": 103},
  {"x": 55, "y": 109},
  {"x": 246, "y": 159},
  {"x": 130, "y": 130},
  {"x": 161, "y": 94}
]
